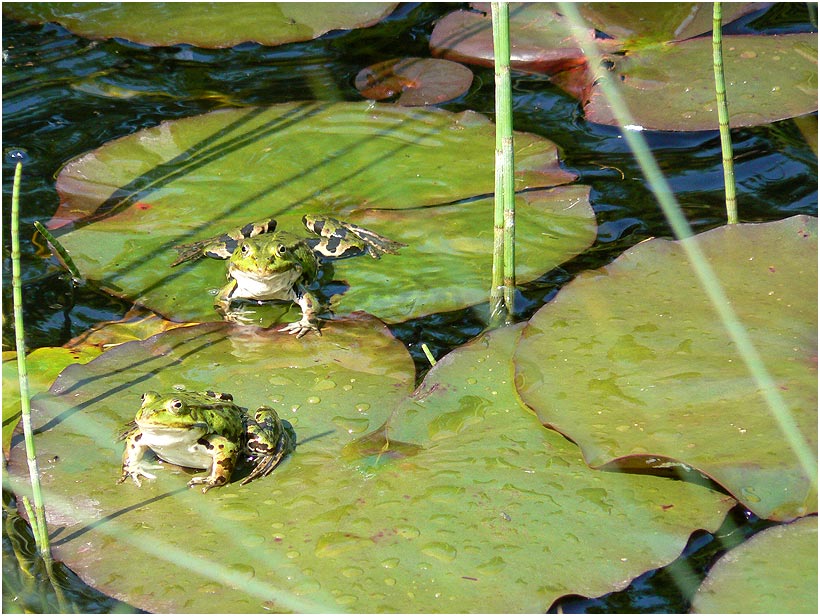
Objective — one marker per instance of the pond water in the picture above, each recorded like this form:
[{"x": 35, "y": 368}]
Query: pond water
[{"x": 65, "y": 95}]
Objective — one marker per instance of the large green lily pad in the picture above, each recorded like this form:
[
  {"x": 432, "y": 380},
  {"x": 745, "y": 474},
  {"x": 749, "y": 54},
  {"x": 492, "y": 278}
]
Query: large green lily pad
[
  {"x": 774, "y": 572},
  {"x": 485, "y": 510},
  {"x": 205, "y": 24},
  {"x": 768, "y": 78},
  {"x": 380, "y": 166},
  {"x": 631, "y": 362}
]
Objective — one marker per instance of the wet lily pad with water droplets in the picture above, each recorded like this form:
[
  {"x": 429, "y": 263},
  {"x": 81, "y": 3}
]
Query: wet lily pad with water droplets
[
  {"x": 414, "y": 175},
  {"x": 416, "y": 81},
  {"x": 631, "y": 362},
  {"x": 671, "y": 87},
  {"x": 124, "y": 539},
  {"x": 205, "y": 24},
  {"x": 505, "y": 513},
  {"x": 774, "y": 572}
]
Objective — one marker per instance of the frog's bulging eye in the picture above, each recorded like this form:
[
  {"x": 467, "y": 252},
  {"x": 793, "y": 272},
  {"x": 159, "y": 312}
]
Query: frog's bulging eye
[
  {"x": 175, "y": 405},
  {"x": 245, "y": 249},
  {"x": 281, "y": 250}
]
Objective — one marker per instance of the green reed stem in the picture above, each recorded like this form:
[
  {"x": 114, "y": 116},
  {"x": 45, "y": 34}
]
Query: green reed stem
[
  {"x": 62, "y": 253},
  {"x": 38, "y": 521},
  {"x": 723, "y": 115},
  {"x": 704, "y": 272},
  {"x": 502, "y": 293}
]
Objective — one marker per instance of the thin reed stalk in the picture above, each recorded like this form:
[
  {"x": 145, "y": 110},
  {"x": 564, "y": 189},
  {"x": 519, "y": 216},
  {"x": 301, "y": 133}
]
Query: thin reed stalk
[
  {"x": 723, "y": 115},
  {"x": 502, "y": 293},
  {"x": 38, "y": 519}
]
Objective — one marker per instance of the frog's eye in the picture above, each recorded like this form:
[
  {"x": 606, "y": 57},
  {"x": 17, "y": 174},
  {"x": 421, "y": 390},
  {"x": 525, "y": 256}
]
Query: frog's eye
[
  {"x": 281, "y": 250},
  {"x": 175, "y": 405},
  {"x": 245, "y": 249}
]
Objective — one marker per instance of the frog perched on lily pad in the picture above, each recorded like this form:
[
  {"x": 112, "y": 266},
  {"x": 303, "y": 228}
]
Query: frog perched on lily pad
[
  {"x": 266, "y": 264},
  {"x": 204, "y": 430}
]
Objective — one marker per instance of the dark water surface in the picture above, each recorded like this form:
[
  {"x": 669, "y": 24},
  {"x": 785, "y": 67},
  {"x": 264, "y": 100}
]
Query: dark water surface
[{"x": 64, "y": 95}]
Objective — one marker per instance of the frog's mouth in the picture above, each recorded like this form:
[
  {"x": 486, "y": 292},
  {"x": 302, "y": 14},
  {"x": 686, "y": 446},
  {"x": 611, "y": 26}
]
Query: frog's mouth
[{"x": 275, "y": 285}]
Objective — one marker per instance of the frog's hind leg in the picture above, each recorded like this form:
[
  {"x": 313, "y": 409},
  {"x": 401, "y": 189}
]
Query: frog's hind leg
[
  {"x": 267, "y": 453},
  {"x": 340, "y": 239}
]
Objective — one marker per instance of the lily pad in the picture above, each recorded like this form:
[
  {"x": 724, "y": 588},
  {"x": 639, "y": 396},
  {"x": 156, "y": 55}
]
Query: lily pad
[
  {"x": 486, "y": 509},
  {"x": 774, "y": 572},
  {"x": 768, "y": 78},
  {"x": 42, "y": 365},
  {"x": 205, "y": 24},
  {"x": 507, "y": 512},
  {"x": 330, "y": 389},
  {"x": 416, "y": 81},
  {"x": 631, "y": 362},
  {"x": 380, "y": 166}
]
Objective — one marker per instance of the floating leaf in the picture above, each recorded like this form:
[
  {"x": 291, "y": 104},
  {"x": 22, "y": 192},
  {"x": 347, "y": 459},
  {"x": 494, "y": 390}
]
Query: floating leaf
[
  {"x": 447, "y": 521},
  {"x": 774, "y": 572},
  {"x": 667, "y": 85},
  {"x": 417, "y": 81},
  {"x": 671, "y": 87},
  {"x": 539, "y": 39},
  {"x": 124, "y": 539},
  {"x": 42, "y": 365},
  {"x": 374, "y": 165},
  {"x": 631, "y": 362},
  {"x": 205, "y": 24}
]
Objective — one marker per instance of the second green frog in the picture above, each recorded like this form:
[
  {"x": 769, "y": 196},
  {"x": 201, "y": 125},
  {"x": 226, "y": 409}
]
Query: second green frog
[{"x": 266, "y": 264}]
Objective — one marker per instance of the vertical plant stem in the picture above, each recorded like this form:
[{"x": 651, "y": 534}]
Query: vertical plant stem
[
  {"x": 38, "y": 521},
  {"x": 723, "y": 115},
  {"x": 502, "y": 293}
]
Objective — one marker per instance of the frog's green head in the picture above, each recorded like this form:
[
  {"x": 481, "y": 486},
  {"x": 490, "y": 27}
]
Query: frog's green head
[
  {"x": 269, "y": 255},
  {"x": 169, "y": 411}
]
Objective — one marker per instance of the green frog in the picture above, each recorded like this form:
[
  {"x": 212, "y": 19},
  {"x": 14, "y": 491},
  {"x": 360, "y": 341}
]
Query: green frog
[
  {"x": 266, "y": 264},
  {"x": 205, "y": 430}
]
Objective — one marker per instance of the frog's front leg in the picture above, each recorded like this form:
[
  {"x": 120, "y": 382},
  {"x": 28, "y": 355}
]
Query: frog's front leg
[
  {"x": 310, "y": 315},
  {"x": 224, "y": 453},
  {"x": 222, "y": 301},
  {"x": 133, "y": 464}
]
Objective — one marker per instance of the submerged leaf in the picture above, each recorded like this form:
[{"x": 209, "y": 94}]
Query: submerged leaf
[{"x": 631, "y": 362}]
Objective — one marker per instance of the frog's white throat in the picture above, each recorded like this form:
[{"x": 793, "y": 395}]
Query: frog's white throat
[{"x": 272, "y": 286}]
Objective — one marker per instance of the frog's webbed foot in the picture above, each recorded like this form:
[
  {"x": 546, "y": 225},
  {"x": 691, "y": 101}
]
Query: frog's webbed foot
[
  {"x": 207, "y": 482},
  {"x": 301, "y": 328},
  {"x": 241, "y": 316},
  {"x": 136, "y": 471}
]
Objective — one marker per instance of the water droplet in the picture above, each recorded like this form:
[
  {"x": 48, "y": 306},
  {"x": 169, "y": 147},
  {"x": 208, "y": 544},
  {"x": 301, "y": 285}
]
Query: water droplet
[
  {"x": 306, "y": 587},
  {"x": 748, "y": 494},
  {"x": 293, "y": 554},
  {"x": 494, "y": 565},
  {"x": 352, "y": 572},
  {"x": 390, "y": 581},
  {"x": 472, "y": 381},
  {"x": 244, "y": 570},
  {"x": 362, "y": 407},
  {"x": 440, "y": 550},
  {"x": 334, "y": 543},
  {"x": 313, "y": 400},
  {"x": 390, "y": 563},
  {"x": 352, "y": 425},
  {"x": 325, "y": 384},
  {"x": 408, "y": 532},
  {"x": 345, "y": 599}
]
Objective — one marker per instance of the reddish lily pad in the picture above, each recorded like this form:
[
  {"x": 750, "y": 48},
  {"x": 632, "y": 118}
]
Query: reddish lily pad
[
  {"x": 631, "y": 363},
  {"x": 774, "y": 572},
  {"x": 372, "y": 164},
  {"x": 205, "y": 24},
  {"x": 416, "y": 81}
]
